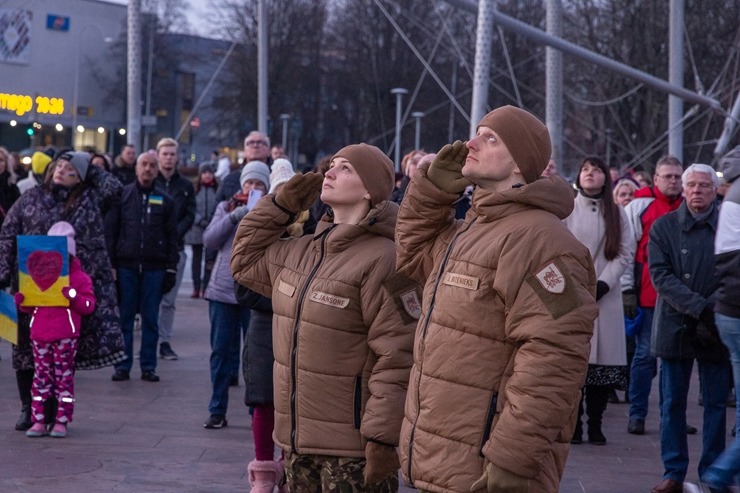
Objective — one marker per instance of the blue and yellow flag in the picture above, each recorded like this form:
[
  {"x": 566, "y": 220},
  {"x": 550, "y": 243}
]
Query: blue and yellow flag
[
  {"x": 43, "y": 270},
  {"x": 8, "y": 318}
]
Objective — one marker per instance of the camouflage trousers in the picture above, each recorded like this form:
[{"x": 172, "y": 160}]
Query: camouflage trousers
[{"x": 327, "y": 474}]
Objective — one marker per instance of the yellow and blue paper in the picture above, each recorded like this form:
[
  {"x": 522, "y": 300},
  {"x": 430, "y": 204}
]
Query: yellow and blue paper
[
  {"x": 8, "y": 318},
  {"x": 43, "y": 270}
]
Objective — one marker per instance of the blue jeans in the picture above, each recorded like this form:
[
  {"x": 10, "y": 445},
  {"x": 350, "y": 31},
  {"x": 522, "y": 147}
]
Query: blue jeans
[
  {"x": 714, "y": 380},
  {"x": 142, "y": 292},
  {"x": 227, "y": 323},
  {"x": 643, "y": 369},
  {"x": 724, "y": 471}
]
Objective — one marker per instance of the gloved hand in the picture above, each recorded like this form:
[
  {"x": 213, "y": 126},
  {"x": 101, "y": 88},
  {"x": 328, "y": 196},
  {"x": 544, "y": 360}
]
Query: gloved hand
[
  {"x": 446, "y": 169},
  {"x": 707, "y": 316},
  {"x": 169, "y": 280},
  {"x": 18, "y": 297},
  {"x": 601, "y": 289},
  {"x": 299, "y": 192},
  {"x": 629, "y": 302},
  {"x": 381, "y": 462},
  {"x": 238, "y": 214},
  {"x": 69, "y": 293},
  {"x": 497, "y": 480}
]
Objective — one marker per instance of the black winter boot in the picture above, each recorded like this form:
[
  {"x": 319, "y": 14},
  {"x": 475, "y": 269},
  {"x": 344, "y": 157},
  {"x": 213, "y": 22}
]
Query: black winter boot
[
  {"x": 578, "y": 432},
  {"x": 24, "y": 379},
  {"x": 596, "y": 399}
]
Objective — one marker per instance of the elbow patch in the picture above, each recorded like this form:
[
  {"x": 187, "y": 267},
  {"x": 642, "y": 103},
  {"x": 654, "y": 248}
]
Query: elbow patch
[
  {"x": 556, "y": 288},
  {"x": 406, "y": 295}
]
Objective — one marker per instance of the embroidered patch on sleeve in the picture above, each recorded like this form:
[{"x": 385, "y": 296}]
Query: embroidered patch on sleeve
[
  {"x": 407, "y": 296},
  {"x": 555, "y": 288}
]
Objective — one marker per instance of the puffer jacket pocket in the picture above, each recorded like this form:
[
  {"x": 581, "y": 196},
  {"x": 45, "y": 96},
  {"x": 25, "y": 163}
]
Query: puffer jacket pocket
[
  {"x": 489, "y": 422},
  {"x": 357, "y": 404}
]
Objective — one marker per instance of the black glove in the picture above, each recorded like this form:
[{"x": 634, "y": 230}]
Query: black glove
[
  {"x": 169, "y": 280},
  {"x": 707, "y": 316},
  {"x": 446, "y": 169},
  {"x": 299, "y": 192},
  {"x": 93, "y": 173},
  {"x": 601, "y": 289},
  {"x": 629, "y": 302}
]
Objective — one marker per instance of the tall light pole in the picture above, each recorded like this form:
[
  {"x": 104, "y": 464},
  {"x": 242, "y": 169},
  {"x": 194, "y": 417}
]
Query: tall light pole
[
  {"x": 76, "y": 84},
  {"x": 133, "y": 108},
  {"x": 418, "y": 115},
  {"x": 284, "y": 117},
  {"x": 399, "y": 92}
]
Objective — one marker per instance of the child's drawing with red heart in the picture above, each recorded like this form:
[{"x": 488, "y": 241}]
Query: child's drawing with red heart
[{"x": 44, "y": 268}]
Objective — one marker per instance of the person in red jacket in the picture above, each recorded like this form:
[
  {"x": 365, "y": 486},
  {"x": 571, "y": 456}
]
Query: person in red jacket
[{"x": 54, "y": 334}]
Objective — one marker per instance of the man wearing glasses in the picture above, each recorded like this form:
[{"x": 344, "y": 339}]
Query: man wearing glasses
[
  {"x": 649, "y": 204},
  {"x": 256, "y": 148}
]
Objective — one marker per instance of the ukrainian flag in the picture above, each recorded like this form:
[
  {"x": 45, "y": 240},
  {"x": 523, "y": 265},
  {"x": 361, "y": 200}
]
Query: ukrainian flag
[
  {"x": 156, "y": 200},
  {"x": 43, "y": 270},
  {"x": 8, "y": 318}
]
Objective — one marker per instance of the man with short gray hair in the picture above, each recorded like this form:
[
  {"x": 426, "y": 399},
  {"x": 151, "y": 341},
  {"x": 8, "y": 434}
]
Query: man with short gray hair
[{"x": 681, "y": 262}]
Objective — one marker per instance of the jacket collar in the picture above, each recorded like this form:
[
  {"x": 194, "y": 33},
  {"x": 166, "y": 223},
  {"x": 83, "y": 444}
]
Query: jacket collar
[
  {"x": 552, "y": 194},
  {"x": 380, "y": 221},
  {"x": 687, "y": 221}
]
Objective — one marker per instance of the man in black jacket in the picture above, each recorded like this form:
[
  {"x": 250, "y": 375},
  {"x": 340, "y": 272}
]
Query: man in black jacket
[
  {"x": 182, "y": 193},
  {"x": 681, "y": 262},
  {"x": 143, "y": 246}
]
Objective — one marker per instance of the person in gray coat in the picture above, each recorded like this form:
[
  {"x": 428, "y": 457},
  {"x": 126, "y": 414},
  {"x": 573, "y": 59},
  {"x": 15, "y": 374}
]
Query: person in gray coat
[{"x": 228, "y": 319}]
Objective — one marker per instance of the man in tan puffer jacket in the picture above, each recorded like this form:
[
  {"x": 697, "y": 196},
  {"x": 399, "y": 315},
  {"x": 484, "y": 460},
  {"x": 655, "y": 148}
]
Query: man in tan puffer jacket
[{"x": 502, "y": 344}]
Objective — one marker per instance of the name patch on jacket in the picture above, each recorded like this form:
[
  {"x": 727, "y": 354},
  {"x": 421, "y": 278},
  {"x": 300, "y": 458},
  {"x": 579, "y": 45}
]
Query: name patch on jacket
[
  {"x": 329, "y": 299},
  {"x": 406, "y": 294},
  {"x": 555, "y": 288},
  {"x": 461, "y": 281}
]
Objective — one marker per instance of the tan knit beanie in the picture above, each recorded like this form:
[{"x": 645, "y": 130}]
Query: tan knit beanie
[
  {"x": 374, "y": 167},
  {"x": 526, "y": 138}
]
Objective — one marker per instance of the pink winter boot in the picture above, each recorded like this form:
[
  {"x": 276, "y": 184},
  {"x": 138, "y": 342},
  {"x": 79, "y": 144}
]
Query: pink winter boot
[{"x": 264, "y": 475}]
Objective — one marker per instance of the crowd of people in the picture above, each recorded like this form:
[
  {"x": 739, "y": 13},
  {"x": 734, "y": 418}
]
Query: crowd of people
[{"x": 362, "y": 304}]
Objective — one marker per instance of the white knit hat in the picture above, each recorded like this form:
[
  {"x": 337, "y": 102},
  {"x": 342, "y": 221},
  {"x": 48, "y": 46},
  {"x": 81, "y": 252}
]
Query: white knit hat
[
  {"x": 255, "y": 170},
  {"x": 282, "y": 171}
]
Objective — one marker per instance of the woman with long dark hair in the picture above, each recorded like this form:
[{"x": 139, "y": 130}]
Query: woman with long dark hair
[{"x": 602, "y": 226}]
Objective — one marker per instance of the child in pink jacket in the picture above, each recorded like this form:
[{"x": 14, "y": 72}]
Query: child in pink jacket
[{"x": 54, "y": 334}]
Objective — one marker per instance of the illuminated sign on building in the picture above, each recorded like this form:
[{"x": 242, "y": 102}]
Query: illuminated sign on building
[{"x": 22, "y": 104}]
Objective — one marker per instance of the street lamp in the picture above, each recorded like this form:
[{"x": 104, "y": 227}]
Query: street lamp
[
  {"x": 399, "y": 92},
  {"x": 76, "y": 88},
  {"x": 284, "y": 117},
  {"x": 418, "y": 115}
]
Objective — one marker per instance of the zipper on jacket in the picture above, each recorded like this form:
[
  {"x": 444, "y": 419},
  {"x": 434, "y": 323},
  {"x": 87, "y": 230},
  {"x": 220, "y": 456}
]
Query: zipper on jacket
[
  {"x": 357, "y": 408},
  {"x": 296, "y": 324},
  {"x": 488, "y": 425},
  {"x": 146, "y": 209},
  {"x": 442, "y": 266}
]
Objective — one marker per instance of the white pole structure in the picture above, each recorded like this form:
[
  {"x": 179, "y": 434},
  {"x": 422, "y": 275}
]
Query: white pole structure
[
  {"x": 149, "y": 70},
  {"x": 481, "y": 73},
  {"x": 284, "y": 117},
  {"x": 418, "y": 115},
  {"x": 262, "y": 67},
  {"x": 399, "y": 92},
  {"x": 133, "y": 110},
  {"x": 675, "y": 77},
  {"x": 554, "y": 83}
]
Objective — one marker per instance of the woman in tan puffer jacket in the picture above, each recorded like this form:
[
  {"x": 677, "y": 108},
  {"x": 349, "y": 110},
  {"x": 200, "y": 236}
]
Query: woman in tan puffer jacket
[{"x": 343, "y": 322}]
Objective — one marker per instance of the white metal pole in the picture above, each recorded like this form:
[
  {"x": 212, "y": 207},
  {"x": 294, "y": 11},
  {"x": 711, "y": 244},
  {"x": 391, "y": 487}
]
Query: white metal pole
[
  {"x": 399, "y": 92},
  {"x": 675, "y": 77},
  {"x": 133, "y": 110},
  {"x": 482, "y": 63},
  {"x": 262, "y": 67},
  {"x": 554, "y": 83},
  {"x": 417, "y": 134},
  {"x": 284, "y": 117}
]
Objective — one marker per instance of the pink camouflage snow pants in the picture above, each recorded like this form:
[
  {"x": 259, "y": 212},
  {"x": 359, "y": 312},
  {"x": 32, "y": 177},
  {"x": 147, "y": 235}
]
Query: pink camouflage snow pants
[{"x": 54, "y": 374}]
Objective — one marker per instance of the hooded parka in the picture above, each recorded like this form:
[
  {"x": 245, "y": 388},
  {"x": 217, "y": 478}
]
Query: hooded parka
[
  {"x": 502, "y": 345},
  {"x": 343, "y": 327}
]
